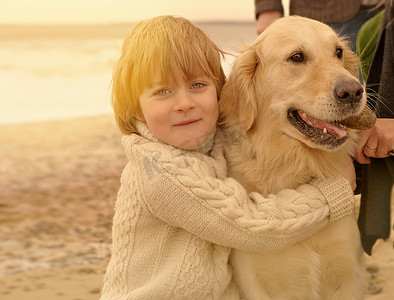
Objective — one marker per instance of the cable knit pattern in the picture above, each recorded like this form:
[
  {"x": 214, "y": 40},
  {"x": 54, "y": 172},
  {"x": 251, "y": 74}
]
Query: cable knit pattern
[
  {"x": 193, "y": 272},
  {"x": 177, "y": 217}
]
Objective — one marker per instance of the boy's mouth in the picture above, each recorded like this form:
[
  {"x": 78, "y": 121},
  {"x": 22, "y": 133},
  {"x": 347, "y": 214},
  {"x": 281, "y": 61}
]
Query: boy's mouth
[{"x": 187, "y": 122}]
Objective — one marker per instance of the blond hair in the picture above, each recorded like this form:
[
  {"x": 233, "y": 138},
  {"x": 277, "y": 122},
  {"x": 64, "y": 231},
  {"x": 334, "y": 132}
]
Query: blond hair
[{"x": 170, "y": 45}]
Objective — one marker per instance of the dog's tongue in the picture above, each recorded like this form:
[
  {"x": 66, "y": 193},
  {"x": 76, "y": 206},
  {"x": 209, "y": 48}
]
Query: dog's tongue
[{"x": 325, "y": 126}]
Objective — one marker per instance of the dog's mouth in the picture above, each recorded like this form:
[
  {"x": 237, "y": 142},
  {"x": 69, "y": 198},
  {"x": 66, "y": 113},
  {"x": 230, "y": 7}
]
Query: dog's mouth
[
  {"x": 326, "y": 133},
  {"x": 331, "y": 134}
]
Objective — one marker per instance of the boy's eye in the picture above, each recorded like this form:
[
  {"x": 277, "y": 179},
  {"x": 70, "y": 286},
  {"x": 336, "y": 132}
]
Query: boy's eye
[
  {"x": 162, "y": 92},
  {"x": 197, "y": 85}
]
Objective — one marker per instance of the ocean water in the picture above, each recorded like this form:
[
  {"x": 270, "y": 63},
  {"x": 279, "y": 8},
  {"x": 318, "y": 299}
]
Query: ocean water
[{"x": 60, "y": 72}]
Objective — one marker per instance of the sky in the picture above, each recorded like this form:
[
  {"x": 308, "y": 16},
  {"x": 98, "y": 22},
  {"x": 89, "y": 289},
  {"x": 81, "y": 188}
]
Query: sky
[{"x": 120, "y": 11}]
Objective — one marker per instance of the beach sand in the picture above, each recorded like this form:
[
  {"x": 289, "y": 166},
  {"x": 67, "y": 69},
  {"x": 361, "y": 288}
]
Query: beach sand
[{"x": 58, "y": 186}]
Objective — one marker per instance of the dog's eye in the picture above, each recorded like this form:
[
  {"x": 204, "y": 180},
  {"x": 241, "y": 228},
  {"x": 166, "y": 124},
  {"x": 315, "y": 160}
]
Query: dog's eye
[
  {"x": 339, "y": 53},
  {"x": 297, "y": 57}
]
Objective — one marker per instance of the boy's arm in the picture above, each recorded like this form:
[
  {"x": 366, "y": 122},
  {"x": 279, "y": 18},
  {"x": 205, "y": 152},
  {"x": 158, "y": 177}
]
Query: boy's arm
[{"x": 221, "y": 211}]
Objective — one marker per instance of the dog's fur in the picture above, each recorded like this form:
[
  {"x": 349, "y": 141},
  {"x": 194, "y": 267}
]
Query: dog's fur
[{"x": 295, "y": 64}]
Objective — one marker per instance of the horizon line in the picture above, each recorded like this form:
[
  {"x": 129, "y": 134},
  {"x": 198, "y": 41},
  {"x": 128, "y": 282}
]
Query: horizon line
[{"x": 5, "y": 24}]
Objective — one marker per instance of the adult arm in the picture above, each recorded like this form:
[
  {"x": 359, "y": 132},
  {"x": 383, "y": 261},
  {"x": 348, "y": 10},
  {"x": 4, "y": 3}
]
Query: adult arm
[{"x": 267, "y": 11}]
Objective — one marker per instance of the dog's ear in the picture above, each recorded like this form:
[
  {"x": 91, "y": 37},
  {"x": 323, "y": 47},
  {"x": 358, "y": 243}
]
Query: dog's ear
[{"x": 238, "y": 98}]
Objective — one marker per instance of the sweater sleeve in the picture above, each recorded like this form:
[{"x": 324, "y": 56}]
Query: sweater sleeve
[
  {"x": 222, "y": 212},
  {"x": 267, "y": 5}
]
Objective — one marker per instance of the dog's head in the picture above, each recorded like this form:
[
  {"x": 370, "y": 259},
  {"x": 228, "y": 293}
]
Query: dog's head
[{"x": 302, "y": 76}]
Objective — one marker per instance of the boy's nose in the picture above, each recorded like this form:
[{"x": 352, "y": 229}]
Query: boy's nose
[{"x": 184, "y": 102}]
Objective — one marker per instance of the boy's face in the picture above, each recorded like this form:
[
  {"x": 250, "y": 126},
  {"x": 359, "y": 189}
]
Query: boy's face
[{"x": 181, "y": 116}]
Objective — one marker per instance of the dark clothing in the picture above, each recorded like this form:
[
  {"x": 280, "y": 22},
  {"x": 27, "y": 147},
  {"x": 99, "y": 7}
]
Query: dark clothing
[
  {"x": 378, "y": 177},
  {"x": 374, "y": 219},
  {"x": 326, "y": 11},
  {"x": 344, "y": 16}
]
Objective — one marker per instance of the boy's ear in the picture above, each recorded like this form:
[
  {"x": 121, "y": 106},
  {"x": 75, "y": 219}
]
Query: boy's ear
[{"x": 237, "y": 101}]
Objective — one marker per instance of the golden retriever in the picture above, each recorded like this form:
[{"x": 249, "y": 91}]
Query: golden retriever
[{"x": 290, "y": 92}]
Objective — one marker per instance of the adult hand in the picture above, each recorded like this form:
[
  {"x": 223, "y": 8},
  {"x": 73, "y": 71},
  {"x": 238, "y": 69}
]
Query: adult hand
[
  {"x": 377, "y": 142},
  {"x": 265, "y": 19},
  {"x": 350, "y": 173}
]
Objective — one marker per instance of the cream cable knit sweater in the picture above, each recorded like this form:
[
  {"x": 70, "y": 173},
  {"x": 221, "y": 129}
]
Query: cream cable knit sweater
[{"x": 177, "y": 217}]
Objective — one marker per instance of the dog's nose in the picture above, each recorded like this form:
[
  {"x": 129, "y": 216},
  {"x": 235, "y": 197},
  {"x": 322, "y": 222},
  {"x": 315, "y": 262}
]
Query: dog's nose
[{"x": 348, "y": 91}]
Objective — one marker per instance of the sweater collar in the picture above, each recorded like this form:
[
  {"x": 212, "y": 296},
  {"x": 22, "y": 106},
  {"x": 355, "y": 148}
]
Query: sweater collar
[{"x": 143, "y": 130}]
